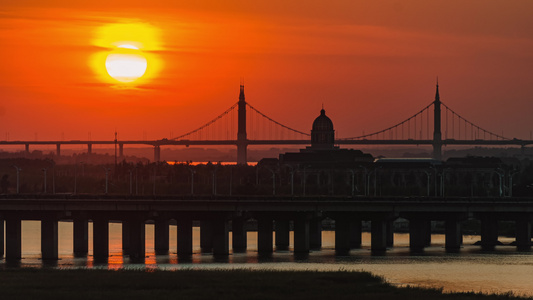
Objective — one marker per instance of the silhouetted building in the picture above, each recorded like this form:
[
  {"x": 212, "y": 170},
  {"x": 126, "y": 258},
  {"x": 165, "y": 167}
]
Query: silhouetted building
[
  {"x": 406, "y": 176},
  {"x": 323, "y": 153},
  {"x": 325, "y": 167},
  {"x": 322, "y": 133},
  {"x": 479, "y": 176}
]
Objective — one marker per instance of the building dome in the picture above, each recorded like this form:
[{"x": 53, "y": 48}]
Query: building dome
[
  {"x": 322, "y": 134},
  {"x": 322, "y": 122}
]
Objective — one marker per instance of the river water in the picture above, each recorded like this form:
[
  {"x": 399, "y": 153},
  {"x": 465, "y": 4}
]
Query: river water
[{"x": 503, "y": 270}]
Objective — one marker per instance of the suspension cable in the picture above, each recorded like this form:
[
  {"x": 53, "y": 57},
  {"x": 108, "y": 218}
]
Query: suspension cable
[
  {"x": 392, "y": 127},
  {"x": 208, "y": 123},
  {"x": 473, "y": 125},
  {"x": 276, "y": 122}
]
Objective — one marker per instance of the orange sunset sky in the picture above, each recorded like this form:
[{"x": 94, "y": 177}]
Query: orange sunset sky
[{"x": 371, "y": 63}]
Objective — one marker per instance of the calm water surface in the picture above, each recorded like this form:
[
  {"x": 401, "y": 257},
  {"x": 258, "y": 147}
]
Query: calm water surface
[{"x": 470, "y": 270}]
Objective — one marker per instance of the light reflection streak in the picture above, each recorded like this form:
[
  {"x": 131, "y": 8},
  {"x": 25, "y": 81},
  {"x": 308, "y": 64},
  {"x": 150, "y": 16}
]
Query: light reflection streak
[
  {"x": 150, "y": 260},
  {"x": 115, "y": 262}
]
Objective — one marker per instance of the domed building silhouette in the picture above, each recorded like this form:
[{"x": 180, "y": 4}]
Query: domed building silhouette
[
  {"x": 323, "y": 154},
  {"x": 322, "y": 133},
  {"x": 324, "y": 167}
]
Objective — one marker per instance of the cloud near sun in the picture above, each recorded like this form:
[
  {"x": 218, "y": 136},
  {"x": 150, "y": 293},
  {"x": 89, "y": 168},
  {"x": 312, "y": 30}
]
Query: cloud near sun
[{"x": 128, "y": 57}]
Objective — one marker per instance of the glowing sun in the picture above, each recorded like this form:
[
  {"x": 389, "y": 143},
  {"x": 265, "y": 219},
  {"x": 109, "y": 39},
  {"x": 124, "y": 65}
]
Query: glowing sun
[
  {"x": 126, "y": 63},
  {"x": 128, "y": 54}
]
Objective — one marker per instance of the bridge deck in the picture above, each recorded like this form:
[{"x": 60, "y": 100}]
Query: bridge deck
[{"x": 255, "y": 204}]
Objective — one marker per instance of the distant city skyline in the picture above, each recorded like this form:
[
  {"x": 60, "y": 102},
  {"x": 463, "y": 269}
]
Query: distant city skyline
[{"x": 370, "y": 64}]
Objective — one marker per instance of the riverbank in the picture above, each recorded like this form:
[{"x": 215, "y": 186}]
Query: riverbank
[{"x": 201, "y": 284}]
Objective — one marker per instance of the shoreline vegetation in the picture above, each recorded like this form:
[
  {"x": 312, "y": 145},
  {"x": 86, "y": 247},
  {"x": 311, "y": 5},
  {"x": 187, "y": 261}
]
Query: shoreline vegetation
[{"x": 31, "y": 283}]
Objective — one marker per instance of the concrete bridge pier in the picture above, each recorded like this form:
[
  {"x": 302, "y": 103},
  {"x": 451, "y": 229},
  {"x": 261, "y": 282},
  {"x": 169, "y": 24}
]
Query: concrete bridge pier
[
  {"x": 49, "y": 238},
  {"x": 27, "y": 148},
  {"x": 356, "y": 231},
  {"x": 418, "y": 234},
  {"x": 161, "y": 235},
  {"x": 301, "y": 234},
  {"x": 489, "y": 232},
  {"x": 100, "y": 239},
  {"x": 390, "y": 233},
  {"x": 282, "y": 228},
  {"x": 206, "y": 236},
  {"x": 342, "y": 235},
  {"x": 1, "y": 236},
  {"x": 239, "y": 238},
  {"x": 523, "y": 234},
  {"x": 13, "y": 238},
  {"x": 81, "y": 236},
  {"x": 315, "y": 233},
  {"x": 453, "y": 235},
  {"x": 137, "y": 251},
  {"x": 58, "y": 149},
  {"x": 220, "y": 237},
  {"x": 428, "y": 233},
  {"x": 89, "y": 148},
  {"x": 379, "y": 234},
  {"x": 120, "y": 150},
  {"x": 126, "y": 238},
  {"x": 264, "y": 235},
  {"x": 184, "y": 236}
]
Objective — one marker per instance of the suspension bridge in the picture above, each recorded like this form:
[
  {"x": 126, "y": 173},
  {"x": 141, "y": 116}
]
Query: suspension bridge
[{"x": 242, "y": 125}]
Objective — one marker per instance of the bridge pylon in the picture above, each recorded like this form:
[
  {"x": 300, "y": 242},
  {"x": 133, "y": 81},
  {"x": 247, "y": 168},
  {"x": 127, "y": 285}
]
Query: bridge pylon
[
  {"x": 437, "y": 135},
  {"x": 242, "y": 140}
]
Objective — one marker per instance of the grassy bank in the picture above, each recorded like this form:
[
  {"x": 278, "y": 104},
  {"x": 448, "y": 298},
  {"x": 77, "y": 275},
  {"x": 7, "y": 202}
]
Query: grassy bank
[{"x": 192, "y": 284}]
